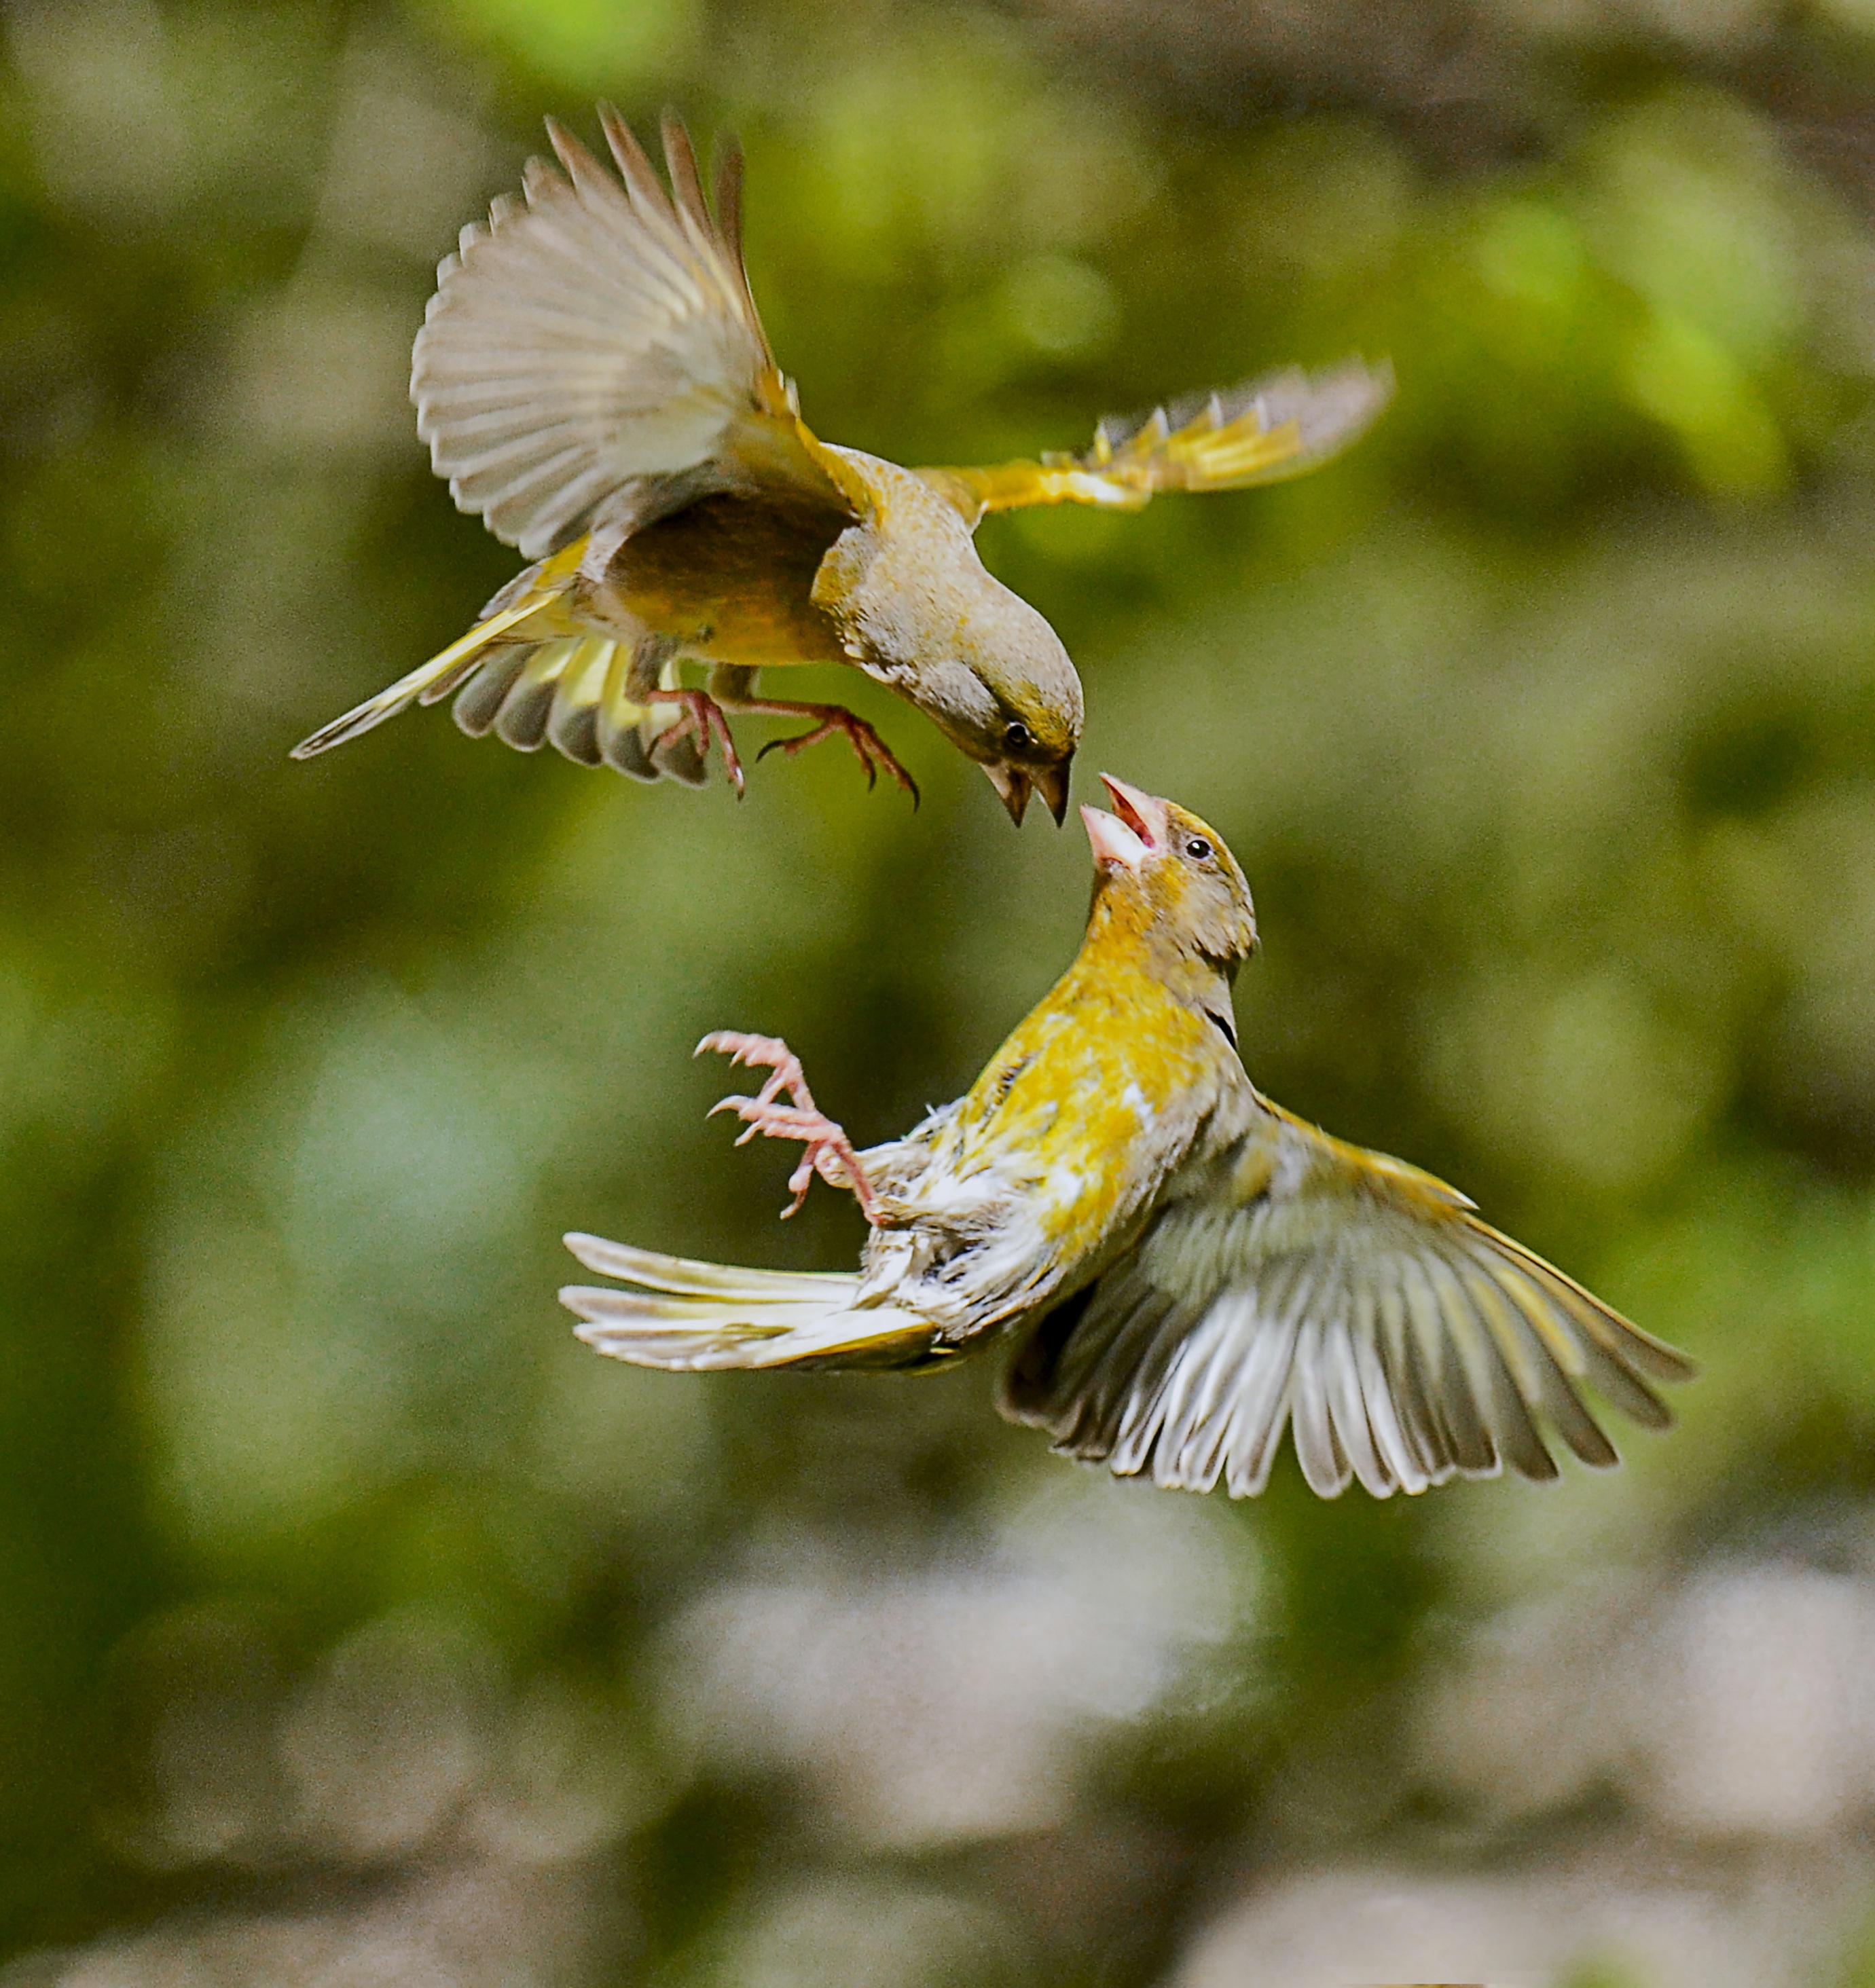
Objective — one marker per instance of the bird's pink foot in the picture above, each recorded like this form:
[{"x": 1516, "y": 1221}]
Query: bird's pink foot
[
  {"x": 703, "y": 717},
  {"x": 829, "y": 1152},
  {"x": 830, "y": 720}
]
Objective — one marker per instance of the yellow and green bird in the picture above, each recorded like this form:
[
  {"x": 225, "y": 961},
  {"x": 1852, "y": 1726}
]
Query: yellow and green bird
[
  {"x": 593, "y": 381},
  {"x": 1184, "y": 1269}
]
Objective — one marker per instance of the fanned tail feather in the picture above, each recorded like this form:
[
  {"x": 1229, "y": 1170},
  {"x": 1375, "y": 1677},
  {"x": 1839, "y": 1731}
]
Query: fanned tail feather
[
  {"x": 690, "y": 1316},
  {"x": 520, "y": 673},
  {"x": 425, "y": 684},
  {"x": 570, "y": 693}
]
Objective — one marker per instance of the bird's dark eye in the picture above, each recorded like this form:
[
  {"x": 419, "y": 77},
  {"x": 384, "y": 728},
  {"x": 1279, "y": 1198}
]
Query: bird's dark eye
[
  {"x": 1197, "y": 849},
  {"x": 1018, "y": 739}
]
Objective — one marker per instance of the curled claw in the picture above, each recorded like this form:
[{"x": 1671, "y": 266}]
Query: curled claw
[
  {"x": 832, "y": 720},
  {"x": 760, "y": 1052},
  {"x": 829, "y": 1152},
  {"x": 703, "y": 717}
]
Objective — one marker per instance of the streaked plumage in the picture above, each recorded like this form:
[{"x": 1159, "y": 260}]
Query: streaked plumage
[
  {"x": 593, "y": 381},
  {"x": 1186, "y": 1268}
]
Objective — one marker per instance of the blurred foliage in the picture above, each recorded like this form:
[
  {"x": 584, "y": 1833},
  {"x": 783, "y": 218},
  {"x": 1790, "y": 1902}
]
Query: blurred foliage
[{"x": 1544, "y": 725}]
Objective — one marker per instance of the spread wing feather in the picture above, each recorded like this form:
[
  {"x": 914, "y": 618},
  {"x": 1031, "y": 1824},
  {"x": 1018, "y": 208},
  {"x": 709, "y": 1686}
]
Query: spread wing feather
[
  {"x": 592, "y": 338},
  {"x": 1281, "y": 425},
  {"x": 1364, "y": 1307},
  {"x": 528, "y": 672}
]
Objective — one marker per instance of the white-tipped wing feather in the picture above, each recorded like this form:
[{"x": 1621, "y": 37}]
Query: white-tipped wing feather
[
  {"x": 1350, "y": 1299},
  {"x": 588, "y": 338}
]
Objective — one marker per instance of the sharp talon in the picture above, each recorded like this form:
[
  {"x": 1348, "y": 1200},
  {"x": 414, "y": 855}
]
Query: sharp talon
[
  {"x": 829, "y": 1152},
  {"x": 703, "y": 717},
  {"x": 827, "y": 719}
]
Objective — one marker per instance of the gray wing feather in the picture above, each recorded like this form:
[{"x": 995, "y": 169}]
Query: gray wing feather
[
  {"x": 1399, "y": 1340},
  {"x": 592, "y": 337},
  {"x": 1206, "y": 1445},
  {"x": 1346, "y": 1395},
  {"x": 1463, "y": 1383},
  {"x": 1323, "y": 1467},
  {"x": 1255, "y": 1427},
  {"x": 1397, "y": 1458}
]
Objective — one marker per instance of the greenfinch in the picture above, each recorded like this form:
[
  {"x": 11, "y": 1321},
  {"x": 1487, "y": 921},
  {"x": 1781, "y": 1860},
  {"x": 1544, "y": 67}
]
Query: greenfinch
[
  {"x": 593, "y": 381},
  {"x": 1184, "y": 1268}
]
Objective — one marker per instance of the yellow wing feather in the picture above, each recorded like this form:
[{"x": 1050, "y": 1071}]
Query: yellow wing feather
[{"x": 1282, "y": 424}]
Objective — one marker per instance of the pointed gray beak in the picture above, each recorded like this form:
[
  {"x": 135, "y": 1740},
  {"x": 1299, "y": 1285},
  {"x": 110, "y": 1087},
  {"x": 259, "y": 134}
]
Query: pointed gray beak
[
  {"x": 1012, "y": 782},
  {"x": 1051, "y": 784}
]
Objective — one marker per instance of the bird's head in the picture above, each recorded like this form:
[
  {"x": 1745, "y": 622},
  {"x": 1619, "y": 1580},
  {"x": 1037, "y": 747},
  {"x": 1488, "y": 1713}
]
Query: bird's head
[
  {"x": 917, "y": 610},
  {"x": 1017, "y": 706},
  {"x": 988, "y": 671},
  {"x": 1162, "y": 872}
]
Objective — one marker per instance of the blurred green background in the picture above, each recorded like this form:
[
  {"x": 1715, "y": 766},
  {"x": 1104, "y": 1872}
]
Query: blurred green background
[{"x": 356, "y": 1627}]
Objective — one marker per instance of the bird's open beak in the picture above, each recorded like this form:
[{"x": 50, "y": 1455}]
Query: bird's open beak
[
  {"x": 1145, "y": 814},
  {"x": 1015, "y": 784},
  {"x": 1012, "y": 782},
  {"x": 1136, "y": 829}
]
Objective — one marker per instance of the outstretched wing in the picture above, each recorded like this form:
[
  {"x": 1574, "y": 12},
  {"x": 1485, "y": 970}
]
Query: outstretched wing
[
  {"x": 1281, "y": 425},
  {"x": 1350, "y": 1298},
  {"x": 595, "y": 342}
]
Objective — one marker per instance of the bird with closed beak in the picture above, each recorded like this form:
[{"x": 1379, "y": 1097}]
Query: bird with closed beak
[
  {"x": 593, "y": 380},
  {"x": 1183, "y": 1269}
]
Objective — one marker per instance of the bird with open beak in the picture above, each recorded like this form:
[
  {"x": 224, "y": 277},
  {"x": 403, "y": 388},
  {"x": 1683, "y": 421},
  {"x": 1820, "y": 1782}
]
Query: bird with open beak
[
  {"x": 1184, "y": 1270},
  {"x": 593, "y": 381}
]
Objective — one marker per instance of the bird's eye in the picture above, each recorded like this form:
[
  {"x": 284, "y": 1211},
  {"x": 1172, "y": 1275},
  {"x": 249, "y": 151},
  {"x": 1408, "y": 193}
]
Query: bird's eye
[
  {"x": 1197, "y": 849},
  {"x": 1018, "y": 739}
]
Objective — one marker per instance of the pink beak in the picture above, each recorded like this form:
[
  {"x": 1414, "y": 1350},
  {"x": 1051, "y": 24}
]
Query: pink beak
[{"x": 1137, "y": 830}]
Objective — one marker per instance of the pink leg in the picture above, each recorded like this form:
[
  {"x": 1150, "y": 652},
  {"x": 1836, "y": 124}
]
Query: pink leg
[
  {"x": 829, "y": 719},
  {"x": 830, "y": 1153},
  {"x": 703, "y": 715}
]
